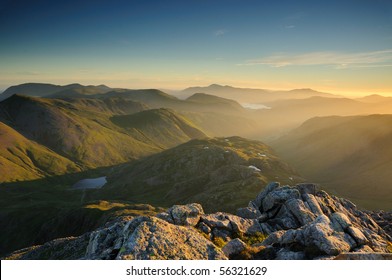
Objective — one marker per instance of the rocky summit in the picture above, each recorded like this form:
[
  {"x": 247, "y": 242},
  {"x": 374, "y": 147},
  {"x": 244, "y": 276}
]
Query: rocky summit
[{"x": 282, "y": 222}]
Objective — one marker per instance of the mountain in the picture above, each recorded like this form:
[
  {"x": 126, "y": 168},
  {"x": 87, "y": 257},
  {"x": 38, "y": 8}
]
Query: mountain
[
  {"x": 152, "y": 97},
  {"x": 375, "y": 98},
  {"x": 214, "y": 115},
  {"x": 79, "y": 91},
  {"x": 348, "y": 155},
  {"x": 281, "y": 222},
  {"x": 43, "y": 90},
  {"x": 160, "y": 126},
  {"x": 86, "y": 137},
  {"x": 22, "y": 159},
  {"x": 219, "y": 173},
  {"x": 215, "y": 103},
  {"x": 91, "y": 132},
  {"x": 248, "y": 95},
  {"x": 285, "y": 115}
]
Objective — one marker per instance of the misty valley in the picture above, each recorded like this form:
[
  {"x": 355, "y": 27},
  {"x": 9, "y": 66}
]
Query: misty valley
[{"x": 83, "y": 168}]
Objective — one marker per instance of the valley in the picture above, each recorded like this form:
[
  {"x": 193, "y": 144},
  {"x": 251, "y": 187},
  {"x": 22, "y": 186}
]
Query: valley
[{"x": 138, "y": 152}]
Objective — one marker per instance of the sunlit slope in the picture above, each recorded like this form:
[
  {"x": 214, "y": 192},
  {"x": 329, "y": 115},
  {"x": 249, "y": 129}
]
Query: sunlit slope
[
  {"x": 88, "y": 132},
  {"x": 350, "y": 155},
  {"x": 163, "y": 127},
  {"x": 219, "y": 173},
  {"x": 22, "y": 159},
  {"x": 86, "y": 137}
]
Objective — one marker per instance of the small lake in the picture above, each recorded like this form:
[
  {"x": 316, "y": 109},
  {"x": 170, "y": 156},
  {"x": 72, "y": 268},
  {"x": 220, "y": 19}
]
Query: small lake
[
  {"x": 94, "y": 183},
  {"x": 254, "y": 106}
]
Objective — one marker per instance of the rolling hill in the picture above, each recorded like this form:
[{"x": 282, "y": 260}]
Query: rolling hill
[
  {"x": 93, "y": 132},
  {"x": 22, "y": 159},
  {"x": 349, "y": 155},
  {"x": 162, "y": 127},
  {"x": 250, "y": 95},
  {"x": 45, "y": 90},
  {"x": 219, "y": 173}
]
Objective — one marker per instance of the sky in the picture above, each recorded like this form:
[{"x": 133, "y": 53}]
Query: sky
[{"x": 340, "y": 46}]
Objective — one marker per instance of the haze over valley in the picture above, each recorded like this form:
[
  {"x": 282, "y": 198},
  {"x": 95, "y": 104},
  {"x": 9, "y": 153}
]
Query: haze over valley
[{"x": 206, "y": 127}]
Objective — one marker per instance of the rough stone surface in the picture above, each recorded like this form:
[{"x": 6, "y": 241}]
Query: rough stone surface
[
  {"x": 284, "y": 254},
  {"x": 69, "y": 248},
  {"x": 383, "y": 219},
  {"x": 364, "y": 256},
  {"x": 248, "y": 213},
  {"x": 186, "y": 215},
  {"x": 298, "y": 222},
  {"x": 315, "y": 223},
  {"x": 234, "y": 247},
  {"x": 147, "y": 238}
]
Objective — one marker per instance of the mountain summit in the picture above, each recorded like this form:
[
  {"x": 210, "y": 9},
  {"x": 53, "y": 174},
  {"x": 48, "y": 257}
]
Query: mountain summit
[{"x": 282, "y": 222}]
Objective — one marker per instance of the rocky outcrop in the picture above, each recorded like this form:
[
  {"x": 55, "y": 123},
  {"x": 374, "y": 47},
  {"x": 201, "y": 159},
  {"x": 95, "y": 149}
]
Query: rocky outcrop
[
  {"x": 151, "y": 238},
  {"x": 383, "y": 219},
  {"x": 70, "y": 248},
  {"x": 364, "y": 256},
  {"x": 302, "y": 219},
  {"x": 283, "y": 222}
]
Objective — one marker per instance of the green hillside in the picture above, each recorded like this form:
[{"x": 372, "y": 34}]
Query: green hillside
[
  {"x": 86, "y": 137},
  {"x": 219, "y": 173},
  {"x": 163, "y": 127},
  {"x": 22, "y": 159},
  {"x": 44, "y": 90}
]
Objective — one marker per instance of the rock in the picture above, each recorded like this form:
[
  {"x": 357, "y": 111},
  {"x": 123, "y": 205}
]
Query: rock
[
  {"x": 231, "y": 223},
  {"x": 265, "y": 253},
  {"x": 384, "y": 220},
  {"x": 234, "y": 247},
  {"x": 341, "y": 222},
  {"x": 217, "y": 220},
  {"x": 285, "y": 254},
  {"x": 364, "y": 256},
  {"x": 278, "y": 197},
  {"x": 243, "y": 226},
  {"x": 312, "y": 204},
  {"x": 358, "y": 236},
  {"x": 204, "y": 228},
  {"x": 306, "y": 188},
  {"x": 165, "y": 216},
  {"x": 299, "y": 210},
  {"x": 364, "y": 249},
  {"x": 248, "y": 213},
  {"x": 285, "y": 219},
  {"x": 261, "y": 196},
  {"x": 186, "y": 215},
  {"x": 147, "y": 238},
  {"x": 273, "y": 238},
  {"x": 106, "y": 241},
  {"x": 69, "y": 248},
  {"x": 225, "y": 235}
]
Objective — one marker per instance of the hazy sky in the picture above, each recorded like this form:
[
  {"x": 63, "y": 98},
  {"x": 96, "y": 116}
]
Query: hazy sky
[{"x": 336, "y": 46}]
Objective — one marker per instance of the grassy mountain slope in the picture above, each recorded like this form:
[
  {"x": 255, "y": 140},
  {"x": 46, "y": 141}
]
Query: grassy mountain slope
[
  {"x": 215, "y": 172},
  {"x": 43, "y": 90},
  {"x": 85, "y": 137},
  {"x": 215, "y": 103},
  {"x": 349, "y": 155},
  {"x": 160, "y": 126},
  {"x": 22, "y": 159}
]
